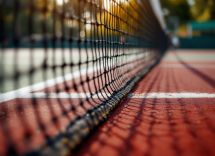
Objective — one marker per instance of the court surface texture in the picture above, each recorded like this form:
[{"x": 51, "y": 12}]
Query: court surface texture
[{"x": 171, "y": 111}]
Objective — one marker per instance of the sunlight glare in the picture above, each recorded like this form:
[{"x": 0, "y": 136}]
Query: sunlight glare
[
  {"x": 60, "y": 2},
  {"x": 106, "y": 4}
]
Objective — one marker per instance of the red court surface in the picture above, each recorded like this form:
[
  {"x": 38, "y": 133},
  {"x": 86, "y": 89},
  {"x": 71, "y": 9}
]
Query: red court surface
[
  {"x": 171, "y": 111},
  {"x": 164, "y": 126}
]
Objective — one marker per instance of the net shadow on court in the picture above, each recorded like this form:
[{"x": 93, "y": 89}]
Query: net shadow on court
[{"x": 154, "y": 126}]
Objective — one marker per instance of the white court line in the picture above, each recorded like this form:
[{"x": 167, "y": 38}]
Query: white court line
[
  {"x": 48, "y": 83},
  {"x": 131, "y": 95},
  {"x": 185, "y": 66},
  {"x": 42, "y": 85},
  {"x": 64, "y": 95},
  {"x": 171, "y": 95}
]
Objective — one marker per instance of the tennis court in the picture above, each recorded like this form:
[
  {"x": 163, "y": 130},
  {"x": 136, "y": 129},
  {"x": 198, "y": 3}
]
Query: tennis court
[
  {"x": 97, "y": 77},
  {"x": 170, "y": 112}
]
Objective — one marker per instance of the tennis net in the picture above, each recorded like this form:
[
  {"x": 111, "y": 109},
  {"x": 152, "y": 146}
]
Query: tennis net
[{"x": 66, "y": 64}]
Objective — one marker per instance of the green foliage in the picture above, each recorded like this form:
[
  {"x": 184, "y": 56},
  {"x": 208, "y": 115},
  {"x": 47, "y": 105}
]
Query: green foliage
[
  {"x": 179, "y": 8},
  {"x": 203, "y": 10}
]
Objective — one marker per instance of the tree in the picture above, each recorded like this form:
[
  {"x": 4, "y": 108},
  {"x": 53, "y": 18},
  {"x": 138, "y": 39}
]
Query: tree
[
  {"x": 179, "y": 8},
  {"x": 203, "y": 10}
]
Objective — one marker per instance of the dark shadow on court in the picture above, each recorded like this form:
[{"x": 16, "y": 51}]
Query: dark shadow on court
[
  {"x": 206, "y": 78},
  {"x": 155, "y": 126}
]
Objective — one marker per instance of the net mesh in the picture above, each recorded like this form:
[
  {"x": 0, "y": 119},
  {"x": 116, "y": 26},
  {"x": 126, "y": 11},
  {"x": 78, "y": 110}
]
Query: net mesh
[{"x": 65, "y": 64}]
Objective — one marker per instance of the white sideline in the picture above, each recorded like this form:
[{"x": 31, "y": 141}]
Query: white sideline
[
  {"x": 185, "y": 66},
  {"x": 131, "y": 95},
  {"x": 171, "y": 95},
  {"x": 42, "y": 85},
  {"x": 64, "y": 95}
]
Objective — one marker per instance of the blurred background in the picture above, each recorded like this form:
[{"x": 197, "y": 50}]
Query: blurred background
[
  {"x": 28, "y": 23},
  {"x": 193, "y": 21}
]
